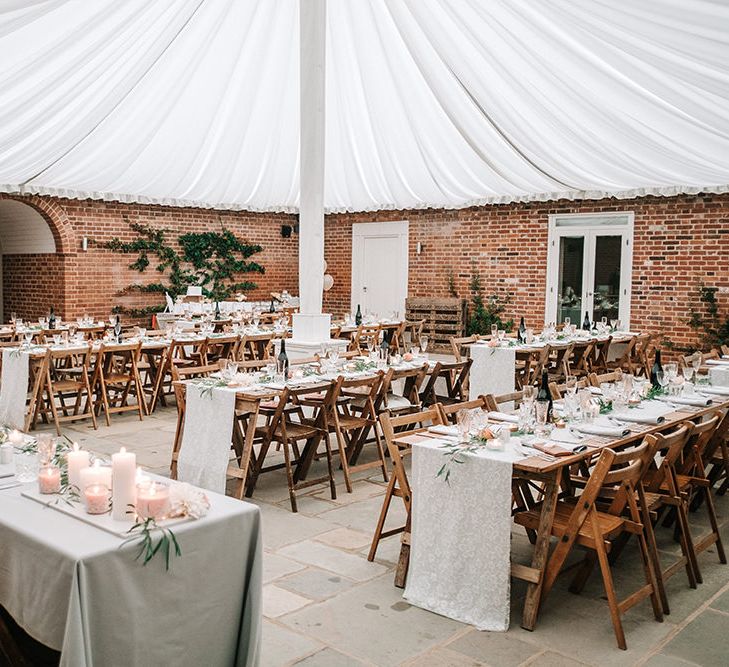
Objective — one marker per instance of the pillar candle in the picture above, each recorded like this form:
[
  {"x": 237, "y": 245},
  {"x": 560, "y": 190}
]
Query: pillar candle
[
  {"x": 77, "y": 459},
  {"x": 123, "y": 484}
]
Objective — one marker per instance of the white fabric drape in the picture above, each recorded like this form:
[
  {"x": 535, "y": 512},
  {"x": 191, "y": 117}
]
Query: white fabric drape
[{"x": 430, "y": 103}]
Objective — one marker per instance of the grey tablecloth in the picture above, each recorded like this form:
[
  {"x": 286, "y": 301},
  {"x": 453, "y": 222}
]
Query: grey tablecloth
[{"x": 70, "y": 586}]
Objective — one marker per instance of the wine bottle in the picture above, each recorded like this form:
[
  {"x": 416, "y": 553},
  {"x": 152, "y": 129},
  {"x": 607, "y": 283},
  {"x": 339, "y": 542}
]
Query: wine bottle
[
  {"x": 655, "y": 370},
  {"x": 544, "y": 394},
  {"x": 217, "y": 310},
  {"x": 118, "y": 330},
  {"x": 358, "y": 316},
  {"x": 52, "y": 319},
  {"x": 521, "y": 335},
  {"x": 282, "y": 361},
  {"x": 586, "y": 322},
  {"x": 272, "y": 308}
]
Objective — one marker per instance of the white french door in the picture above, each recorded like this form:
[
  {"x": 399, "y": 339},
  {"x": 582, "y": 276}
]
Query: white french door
[{"x": 589, "y": 267}]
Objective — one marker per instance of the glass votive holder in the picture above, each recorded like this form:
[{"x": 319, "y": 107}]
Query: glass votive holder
[
  {"x": 26, "y": 466},
  {"x": 97, "y": 498},
  {"x": 6, "y": 453},
  {"x": 49, "y": 479},
  {"x": 153, "y": 499}
]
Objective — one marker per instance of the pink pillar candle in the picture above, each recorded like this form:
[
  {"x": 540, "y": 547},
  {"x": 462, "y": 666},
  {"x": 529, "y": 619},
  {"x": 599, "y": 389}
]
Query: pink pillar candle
[
  {"x": 153, "y": 500},
  {"x": 49, "y": 479},
  {"x": 97, "y": 498}
]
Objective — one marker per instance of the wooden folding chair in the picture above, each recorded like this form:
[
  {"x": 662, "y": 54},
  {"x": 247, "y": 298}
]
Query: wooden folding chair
[
  {"x": 580, "y": 522},
  {"x": 115, "y": 377},
  {"x": 599, "y": 361},
  {"x": 558, "y": 366},
  {"x": 366, "y": 338},
  {"x": 180, "y": 354},
  {"x": 221, "y": 347},
  {"x": 281, "y": 429},
  {"x": 413, "y": 332},
  {"x": 692, "y": 481},
  {"x": 583, "y": 352},
  {"x": 350, "y": 420},
  {"x": 661, "y": 495},
  {"x": 558, "y": 391},
  {"x": 398, "y": 485},
  {"x": 596, "y": 380},
  {"x": 67, "y": 377},
  {"x": 449, "y": 411},
  {"x": 625, "y": 361},
  {"x": 458, "y": 345},
  {"x": 455, "y": 377}
]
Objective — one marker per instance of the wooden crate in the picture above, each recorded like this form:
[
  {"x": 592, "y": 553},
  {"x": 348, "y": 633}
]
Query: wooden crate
[{"x": 444, "y": 317}]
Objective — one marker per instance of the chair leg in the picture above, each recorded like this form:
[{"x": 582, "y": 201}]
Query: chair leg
[
  {"x": 607, "y": 579},
  {"x": 289, "y": 476},
  {"x": 342, "y": 457},
  {"x": 381, "y": 520},
  {"x": 714, "y": 524},
  {"x": 687, "y": 547}
]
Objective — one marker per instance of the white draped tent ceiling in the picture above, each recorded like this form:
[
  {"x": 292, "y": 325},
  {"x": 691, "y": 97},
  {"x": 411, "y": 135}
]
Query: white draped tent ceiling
[{"x": 429, "y": 103}]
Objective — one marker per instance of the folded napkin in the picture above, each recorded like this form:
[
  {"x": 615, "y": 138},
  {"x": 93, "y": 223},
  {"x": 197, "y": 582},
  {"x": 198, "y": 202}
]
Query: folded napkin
[
  {"x": 550, "y": 448},
  {"x": 565, "y": 436},
  {"x": 718, "y": 391},
  {"x": 697, "y": 401},
  {"x": 638, "y": 416},
  {"x": 503, "y": 417},
  {"x": 444, "y": 430},
  {"x": 725, "y": 356},
  {"x": 608, "y": 431},
  {"x": 595, "y": 391},
  {"x": 717, "y": 362}
]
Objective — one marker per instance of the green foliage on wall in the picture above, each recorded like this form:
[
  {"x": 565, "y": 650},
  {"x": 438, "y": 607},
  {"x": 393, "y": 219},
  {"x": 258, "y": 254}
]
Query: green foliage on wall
[
  {"x": 711, "y": 326},
  {"x": 216, "y": 261},
  {"x": 486, "y": 311}
]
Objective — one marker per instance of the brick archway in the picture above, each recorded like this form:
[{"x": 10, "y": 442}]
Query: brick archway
[{"x": 55, "y": 217}]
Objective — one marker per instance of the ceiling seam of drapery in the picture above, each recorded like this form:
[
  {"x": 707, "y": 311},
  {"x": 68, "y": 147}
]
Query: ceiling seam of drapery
[{"x": 28, "y": 181}]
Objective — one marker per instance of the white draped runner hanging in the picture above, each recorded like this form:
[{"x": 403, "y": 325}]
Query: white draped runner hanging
[{"x": 430, "y": 103}]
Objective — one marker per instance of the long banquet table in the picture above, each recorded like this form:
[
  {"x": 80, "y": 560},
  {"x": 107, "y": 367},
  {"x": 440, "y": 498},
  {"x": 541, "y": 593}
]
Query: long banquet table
[
  {"x": 549, "y": 474},
  {"x": 493, "y": 368},
  {"x": 71, "y": 587}
]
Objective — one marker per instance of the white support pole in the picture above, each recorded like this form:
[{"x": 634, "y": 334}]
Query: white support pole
[{"x": 310, "y": 325}]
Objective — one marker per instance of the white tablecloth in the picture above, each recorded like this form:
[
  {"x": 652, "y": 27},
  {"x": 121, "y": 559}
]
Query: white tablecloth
[
  {"x": 461, "y": 536},
  {"x": 14, "y": 387},
  {"x": 207, "y": 435},
  {"x": 492, "y": 371},
  {"x": 71, "y": 587}
]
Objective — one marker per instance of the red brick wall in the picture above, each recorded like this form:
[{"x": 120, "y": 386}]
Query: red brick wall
[
  {"x": 96, "y": 278},
  {"x": 679, "y": 242},
  {"x": 32, "y": 284}
]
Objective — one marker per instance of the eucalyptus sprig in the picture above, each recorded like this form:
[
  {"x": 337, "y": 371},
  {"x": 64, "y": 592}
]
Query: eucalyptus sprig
[
  {"x": 605, "y": 406},
  {"x": 454, "y": 453},
  {"x": 208, "y": 384},
  {"x": 167, "y": 543},
  {"x": 654, "y": 392}
]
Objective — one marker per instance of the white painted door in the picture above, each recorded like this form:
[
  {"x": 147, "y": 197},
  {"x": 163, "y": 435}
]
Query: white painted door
[
  {"x": 380, "y": 268},
  {"x": 589, "y": 267}
]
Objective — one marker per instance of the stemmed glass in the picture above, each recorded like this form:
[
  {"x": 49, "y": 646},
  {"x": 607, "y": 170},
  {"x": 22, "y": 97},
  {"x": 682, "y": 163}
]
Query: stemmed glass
[
  {"x": 463, "y": 424},
  {"x": 46, "y": 449},
  {"x": 494, "y": 331},
  {"x": 28, "y": 336},
  {"x": 567, "y": 322},
  {"x": 423, "y": 344}
]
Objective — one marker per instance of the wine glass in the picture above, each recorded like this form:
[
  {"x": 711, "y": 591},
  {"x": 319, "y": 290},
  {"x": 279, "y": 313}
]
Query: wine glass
[
  {"x": 571, "y": 385},
  {"x": 463, "y": 424},
  {"x": 696, "y": 361},
  {"x": 494, "y": 330},
  {"x": 529, "y": 393},
  {"x": 604, "y": 321},
  {"x": 423, "y": 344},
  {"x": 567, "y": 322},
  {"x": 28, "y": 336}
]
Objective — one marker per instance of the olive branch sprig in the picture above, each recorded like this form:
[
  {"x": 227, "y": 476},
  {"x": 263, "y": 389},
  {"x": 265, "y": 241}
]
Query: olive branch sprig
[{"x": 143, "y": 531}]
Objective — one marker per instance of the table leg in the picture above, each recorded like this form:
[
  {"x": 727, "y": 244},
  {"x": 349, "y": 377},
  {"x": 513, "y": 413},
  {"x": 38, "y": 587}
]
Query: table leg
[
  {"x": 541, "y": 552},
  {"x": 246, "y": 454}
]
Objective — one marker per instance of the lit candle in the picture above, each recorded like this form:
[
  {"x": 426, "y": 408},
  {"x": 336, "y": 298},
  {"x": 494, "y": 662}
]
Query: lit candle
[
  {"x": 77, "y": 459},
  {"x": 153, "y": 500},
  {"x": 123, "y": 484},
  {"x": 49, "y": 479},
  {"x": 95, "y": 474},
  {"x": 97, "y": 499},
  {"x": 15, "y": 438}
]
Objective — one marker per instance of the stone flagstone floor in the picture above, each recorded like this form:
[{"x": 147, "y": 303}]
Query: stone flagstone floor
[{"x": 325, "y": 605}]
